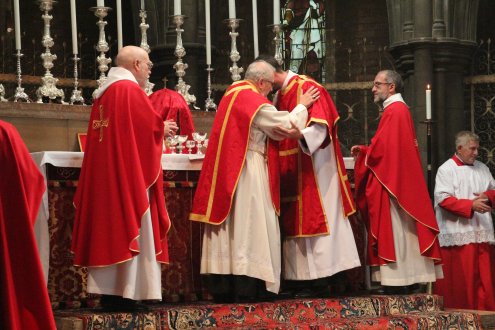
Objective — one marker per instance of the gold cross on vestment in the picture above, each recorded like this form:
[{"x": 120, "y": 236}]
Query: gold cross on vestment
[{"x": 99, "y": 124}]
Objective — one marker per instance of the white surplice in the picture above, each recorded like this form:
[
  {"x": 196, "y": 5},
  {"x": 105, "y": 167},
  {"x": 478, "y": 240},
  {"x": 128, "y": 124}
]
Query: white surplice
[
  {"x": 463, "y": 182},
  {"x": 307, "y": 258},
  {"x": 248, "y": 241}
]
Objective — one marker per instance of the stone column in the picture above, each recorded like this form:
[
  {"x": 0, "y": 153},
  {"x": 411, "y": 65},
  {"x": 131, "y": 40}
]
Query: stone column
[{"x": 431, "y": 42}]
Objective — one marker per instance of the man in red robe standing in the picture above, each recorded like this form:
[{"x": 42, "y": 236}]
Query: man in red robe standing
[
  {"x": 24, "y": 301},
  {"x": 316, "y": 196},
  {"x": 121, "y": 222},
  {"x": 173, "y": 109},
  {"x": 238, "y": 191},
  {"x": 392, "y": 196}
]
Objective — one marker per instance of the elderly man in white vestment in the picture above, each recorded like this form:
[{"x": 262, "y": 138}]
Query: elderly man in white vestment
[
  {"x": 237, "y": 195},
  {"x": 318, "y": 239},
  {"x": 464, "y": 198}
]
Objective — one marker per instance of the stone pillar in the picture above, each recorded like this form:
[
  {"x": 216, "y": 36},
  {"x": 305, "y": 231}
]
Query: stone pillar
[{"x": 432, "y": 42}]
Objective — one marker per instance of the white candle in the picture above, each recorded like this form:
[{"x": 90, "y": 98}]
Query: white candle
[
  {"x": 428, "y": 102},
  {"x": 73, "y": 22},
  {"x": 119, "y": 24},
  {"x": 142, "y": 4},
  {"x": 255, "y": 28},
  {"x": 276, "y": 11},
  {"x": 208, "y": 32},
  {"x": 17, "y": 27},
  {"x": 231, "y": 8},
  {"x": 177, "y": 8},
  {"x": 100, "y": 3}
]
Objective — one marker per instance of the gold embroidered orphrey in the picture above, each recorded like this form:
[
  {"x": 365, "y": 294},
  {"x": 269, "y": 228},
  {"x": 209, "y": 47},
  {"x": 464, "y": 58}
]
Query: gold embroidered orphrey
[{"x": 99, "y": 124}]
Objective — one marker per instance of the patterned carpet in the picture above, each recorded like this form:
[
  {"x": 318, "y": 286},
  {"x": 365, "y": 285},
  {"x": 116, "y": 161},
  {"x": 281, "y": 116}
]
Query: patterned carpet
[{"x": 419, "y": 311}]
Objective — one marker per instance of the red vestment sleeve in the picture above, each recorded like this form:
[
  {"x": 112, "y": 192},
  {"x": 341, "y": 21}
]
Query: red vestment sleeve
[
  {"x": 460, "y": 207},
  {"x": 24, "y": 301},
  {"x": 491, "y": 197}
]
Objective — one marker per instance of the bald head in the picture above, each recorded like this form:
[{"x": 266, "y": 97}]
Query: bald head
[{"x": 137, "y": 61}]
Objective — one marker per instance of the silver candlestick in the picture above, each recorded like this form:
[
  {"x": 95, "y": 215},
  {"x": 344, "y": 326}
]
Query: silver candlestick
[
  {"x": 180, "y": 67},
  {"x": 20, "y": 95},
  {"x": 2, "y": 94},
  {"x": 209, "y": 103},
  {"x": 236, "y": 71},
  {"x": 101, "y": 12},
  {"x": 277, "y": 30},
  {"x": 144, "y": 45},
  {"x": 48, "y": 87},
  {"x": 76, "y": 97}
]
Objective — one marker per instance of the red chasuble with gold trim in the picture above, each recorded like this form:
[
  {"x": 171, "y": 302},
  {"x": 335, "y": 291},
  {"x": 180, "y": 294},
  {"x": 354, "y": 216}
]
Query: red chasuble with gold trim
[
  {"x": 24, "y": 301},
  {"x": 226, "y": 154},
  {"x": 391, "y": 168},
  {"x": 121, "y": 163},
  {"x": 302, "y": 207}
]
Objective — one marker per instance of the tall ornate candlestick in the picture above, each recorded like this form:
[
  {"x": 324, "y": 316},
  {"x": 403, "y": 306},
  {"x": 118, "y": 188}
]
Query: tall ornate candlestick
[
  {"x": 277, "y": 30},
  {"x": 234, "y": 54},
  {"x": 209, "y": 103},
  {"x": 48, "y": 87},
  {"x": 101, "y": 12},
  {"x": 180, "y": 67},
  {"x": 76, "y": 97},
  {"x": 2, "y": 94},
  {"x": 144, "y": 45},
  {"x": 19, "y": 95}
]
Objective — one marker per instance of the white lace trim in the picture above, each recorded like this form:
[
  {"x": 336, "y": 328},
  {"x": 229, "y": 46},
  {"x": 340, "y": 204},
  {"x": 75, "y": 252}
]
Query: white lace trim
[{"x": 466, "y": 238}]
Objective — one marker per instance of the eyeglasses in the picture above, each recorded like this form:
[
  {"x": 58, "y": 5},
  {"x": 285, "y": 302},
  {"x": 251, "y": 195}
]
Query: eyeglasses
[
  {"x": 378, "y": 83},
  {"x": 149, "y": 64},
  {"x": 269, "y": 81}
]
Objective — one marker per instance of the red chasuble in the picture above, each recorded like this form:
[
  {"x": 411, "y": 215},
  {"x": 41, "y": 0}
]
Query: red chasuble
[
  {"x": 226, "y": 154},
  {"x": 303, "y": 212},
  {"x": 121, "y": 162},
  {"x": 24, "y": 302},
  {"x": 391, "y": 166},
  {"x": 171, "y": 105}
]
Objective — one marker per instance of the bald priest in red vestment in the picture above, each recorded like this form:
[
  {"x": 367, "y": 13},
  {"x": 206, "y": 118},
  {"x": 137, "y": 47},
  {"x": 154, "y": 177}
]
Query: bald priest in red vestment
[
  {"x": 392, "y": 196},
  {"x": 24, "y": 301},
  {"x": 238, "y": 191},
  {"x": 173, "y": 108},
  {"x": 121, "y": 224}
]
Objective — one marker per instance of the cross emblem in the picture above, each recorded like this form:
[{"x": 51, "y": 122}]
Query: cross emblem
[{"x": 99, "y": 124}]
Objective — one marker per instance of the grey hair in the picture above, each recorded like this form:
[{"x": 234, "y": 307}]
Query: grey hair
[
  {"x": 463, "y": 137},
  {"x": 259, "y": 70},
  {"x": 393, "y": 77}
]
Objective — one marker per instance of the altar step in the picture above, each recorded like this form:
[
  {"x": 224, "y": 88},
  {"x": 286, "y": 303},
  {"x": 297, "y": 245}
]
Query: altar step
[{"x": 418, "y": 311}]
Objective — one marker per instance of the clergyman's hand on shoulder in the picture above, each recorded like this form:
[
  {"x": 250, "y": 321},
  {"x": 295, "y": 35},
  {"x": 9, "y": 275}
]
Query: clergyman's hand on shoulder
[
  {"x": 288, "y": 133},
  {"x": 309, "y": 97}
]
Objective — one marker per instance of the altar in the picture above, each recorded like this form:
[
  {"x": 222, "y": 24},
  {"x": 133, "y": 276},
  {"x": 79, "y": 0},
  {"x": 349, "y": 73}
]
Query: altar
[{"x": 181, "y": 280}]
